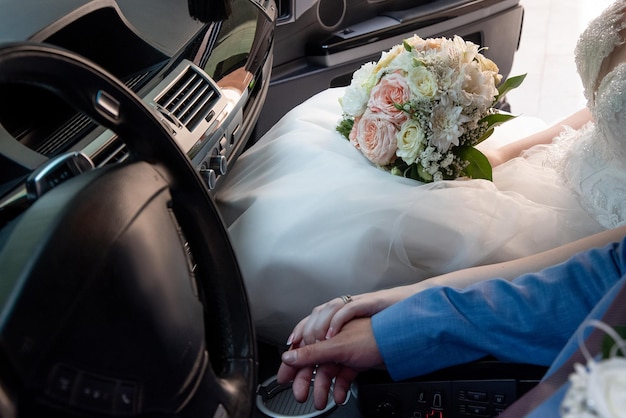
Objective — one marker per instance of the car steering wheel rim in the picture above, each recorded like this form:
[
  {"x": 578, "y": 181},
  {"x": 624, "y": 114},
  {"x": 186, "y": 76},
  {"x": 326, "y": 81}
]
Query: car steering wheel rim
[{"x": 92, "y": 90}]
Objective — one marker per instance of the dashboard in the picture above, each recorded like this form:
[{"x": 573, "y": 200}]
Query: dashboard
[{"x": 206, "y": 81}]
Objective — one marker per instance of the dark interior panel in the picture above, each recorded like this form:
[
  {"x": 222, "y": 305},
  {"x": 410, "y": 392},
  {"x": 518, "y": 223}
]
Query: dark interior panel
[{"x": 305, "y": 59}]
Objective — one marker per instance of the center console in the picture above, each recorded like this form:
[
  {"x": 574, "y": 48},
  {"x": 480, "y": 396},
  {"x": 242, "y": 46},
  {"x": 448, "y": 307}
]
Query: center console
[{"x": 480, "y": 389}]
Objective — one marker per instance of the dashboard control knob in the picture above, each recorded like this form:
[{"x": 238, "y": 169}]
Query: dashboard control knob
[
  {"x": 219, "y": 164},
  {"x": 209, "y": 176}
]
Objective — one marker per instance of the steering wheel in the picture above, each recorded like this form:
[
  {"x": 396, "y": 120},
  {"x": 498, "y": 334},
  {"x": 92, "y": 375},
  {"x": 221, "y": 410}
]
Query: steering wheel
[{"x": 120, "y": 293}]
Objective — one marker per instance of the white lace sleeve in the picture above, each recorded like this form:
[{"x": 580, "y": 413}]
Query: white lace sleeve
[{"x": 596, "y": 43}]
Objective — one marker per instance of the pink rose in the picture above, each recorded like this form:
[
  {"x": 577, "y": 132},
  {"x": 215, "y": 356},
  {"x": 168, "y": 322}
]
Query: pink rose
[
  {"x": 391, "y": 90},
  {"x": 352, "y": 135},
  {"x": 375, "y": 135}
]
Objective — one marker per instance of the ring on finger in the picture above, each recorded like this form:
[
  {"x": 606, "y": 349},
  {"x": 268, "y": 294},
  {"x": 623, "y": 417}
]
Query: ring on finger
[{"x": 346, "y": 299}]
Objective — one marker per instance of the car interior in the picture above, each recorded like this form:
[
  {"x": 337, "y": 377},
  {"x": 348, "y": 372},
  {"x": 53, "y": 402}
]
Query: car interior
[{"x": 120, "y": 291}]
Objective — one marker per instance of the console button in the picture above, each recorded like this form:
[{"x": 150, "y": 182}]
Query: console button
[
  {"x": 126, "y": 399},
  {"x": 422, "y": 396},
  {"x": 476, "y": 410},
  {"x": 476, "y": 396},
  {"x": 62, "y": 383},
  {"x": 95, "y": 394},
  {"x": 437, "y": 400}
]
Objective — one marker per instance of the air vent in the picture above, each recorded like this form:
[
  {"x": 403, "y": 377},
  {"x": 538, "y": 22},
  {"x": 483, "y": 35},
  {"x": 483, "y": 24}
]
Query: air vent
[
  {"x": 66, "y": 135},
  {"x": 73, "y": 130},
  {"x": 190, "y": 99},
  {"x": 115, "y": 152}
]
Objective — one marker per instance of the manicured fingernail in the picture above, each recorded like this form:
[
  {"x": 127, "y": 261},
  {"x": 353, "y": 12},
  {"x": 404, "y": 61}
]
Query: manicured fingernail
[
  {"x": 290, "y": 356},
  {"x": 329, "y": 333},
  {"x": 290, "y": 339}
]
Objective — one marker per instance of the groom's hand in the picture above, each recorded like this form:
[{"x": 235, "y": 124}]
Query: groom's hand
[{"x": 341, "y": 358}]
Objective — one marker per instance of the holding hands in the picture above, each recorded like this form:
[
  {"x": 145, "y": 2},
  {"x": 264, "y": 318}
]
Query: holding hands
[
  {"x": 341, "y": 358},
  {"x": 336, "y": 341},
  {"x": 326, "y": 320},
  {"x": 320, "y": 350}
]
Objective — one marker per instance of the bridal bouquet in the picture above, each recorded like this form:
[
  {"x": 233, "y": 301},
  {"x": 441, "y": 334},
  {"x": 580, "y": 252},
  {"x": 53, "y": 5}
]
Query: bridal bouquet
[{"x": 420, "y": 110}]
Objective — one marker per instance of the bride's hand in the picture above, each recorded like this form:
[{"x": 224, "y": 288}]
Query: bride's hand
[{"x": 326, "y": 320}]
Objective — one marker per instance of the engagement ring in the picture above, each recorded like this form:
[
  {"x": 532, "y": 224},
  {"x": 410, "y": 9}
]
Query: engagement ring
[{"x": 346, "y": 299}]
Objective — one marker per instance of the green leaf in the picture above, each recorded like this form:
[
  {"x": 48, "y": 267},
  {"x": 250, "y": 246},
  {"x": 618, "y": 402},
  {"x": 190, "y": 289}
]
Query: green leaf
[
  {"x": 345, "y": 127},
  {"x": 509, "y": 84},
  {"x": 411, "y": 171},
  {"x": 479, "y": 166},
  {"x": 421, "y": 174},
  {"x": 498, "y": 118},
  {"x": 407, "y": 46},
  {"x": 484, "y": 136},
  {"x": 492, "y": 121},
  {"x": 608, "y": 342}
]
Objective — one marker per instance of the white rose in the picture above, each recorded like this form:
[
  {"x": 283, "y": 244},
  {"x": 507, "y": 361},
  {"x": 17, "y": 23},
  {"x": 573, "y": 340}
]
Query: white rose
[
  {"x": 422, "y": 82},
  {"x": 356, "y": 95},
  {"x": 403, "y": 62},
  {"x": 363, "y": 77},
  {"x": 410, "y": 141},
  {"x": 606, "y": 391}
]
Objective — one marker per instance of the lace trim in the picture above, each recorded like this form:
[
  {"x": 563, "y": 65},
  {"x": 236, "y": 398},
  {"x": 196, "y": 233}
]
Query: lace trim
[
  {"x": 591, "y": 170},
  {"x": 596, "y": 43}
]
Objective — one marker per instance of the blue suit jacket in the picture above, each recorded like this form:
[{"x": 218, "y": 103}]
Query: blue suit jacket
[{"x": 529, "y": 320}]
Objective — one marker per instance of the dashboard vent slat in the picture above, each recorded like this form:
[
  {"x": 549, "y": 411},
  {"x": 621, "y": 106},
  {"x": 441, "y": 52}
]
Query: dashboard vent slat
[
  {"x": 66, "y": 135},
  {"x": 115, "y": 152},
  {"x": 190, "y": 98},
  {"x": 71, "y": 131}
]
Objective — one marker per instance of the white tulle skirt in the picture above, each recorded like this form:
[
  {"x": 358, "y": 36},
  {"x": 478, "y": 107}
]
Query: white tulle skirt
[{"x": 311, "y": 219}]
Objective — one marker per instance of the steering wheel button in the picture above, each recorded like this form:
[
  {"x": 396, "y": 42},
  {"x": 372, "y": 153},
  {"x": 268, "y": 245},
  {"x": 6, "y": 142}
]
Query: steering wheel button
[
  {"x": 125, "y": 399},
  {"x": 61, "y": 383},
  {"x": 95, "y": 394}
]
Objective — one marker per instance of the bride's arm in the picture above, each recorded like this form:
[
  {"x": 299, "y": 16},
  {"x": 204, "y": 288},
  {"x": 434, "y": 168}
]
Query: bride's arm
[
  {"x": 511, "y": 269},
  {"x": 514, "y": 149},
  {"x": 327, "y": 319}
]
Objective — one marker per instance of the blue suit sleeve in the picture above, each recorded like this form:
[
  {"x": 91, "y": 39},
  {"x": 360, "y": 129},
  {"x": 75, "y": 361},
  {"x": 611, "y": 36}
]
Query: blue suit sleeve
[{"x": 527, "y": 320}]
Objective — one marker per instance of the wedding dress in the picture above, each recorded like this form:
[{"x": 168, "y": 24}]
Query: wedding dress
[{"x": 311, "y": 218}]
